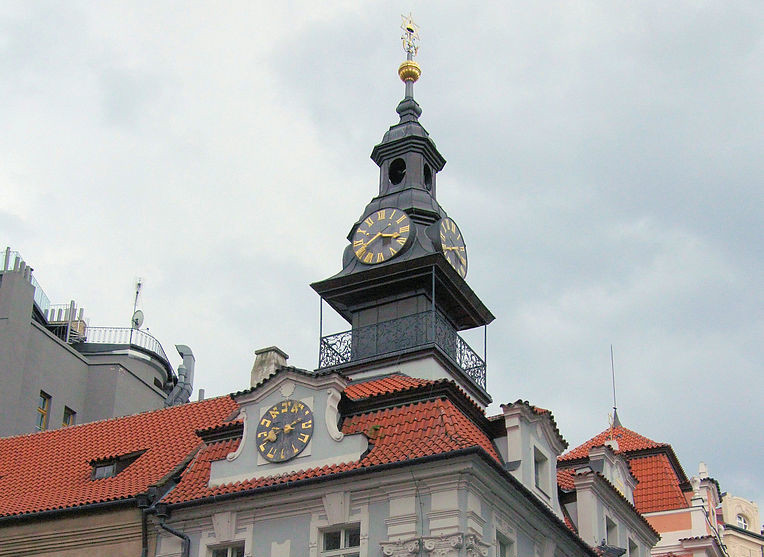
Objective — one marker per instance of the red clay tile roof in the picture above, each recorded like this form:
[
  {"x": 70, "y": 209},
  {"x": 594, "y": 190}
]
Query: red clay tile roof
[
  {"x": 404, "y": 433},
  {"x": 52, "y": 470},
  {"x": 565, "y": 479},
  {"x": 385, "y": 385},
  {"x": 658, "y": 487},
  {"x": 659, "y": 484},
  {"x": 628, "y": 441}
]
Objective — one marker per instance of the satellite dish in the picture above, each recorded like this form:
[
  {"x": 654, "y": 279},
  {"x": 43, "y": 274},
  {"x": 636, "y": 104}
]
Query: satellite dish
[{"x": 137, "y": 319}]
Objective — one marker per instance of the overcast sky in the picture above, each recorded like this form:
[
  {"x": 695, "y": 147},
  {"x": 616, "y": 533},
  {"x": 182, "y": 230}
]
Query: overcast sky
[{"x": 604, "y": 165}]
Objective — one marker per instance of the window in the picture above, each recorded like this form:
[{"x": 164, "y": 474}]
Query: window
[
  {"x": 611, "y": 533},
  {"x": 504, "y": 547},
  {"x": 43, "y": 409},
  {"x": 633, "y": 549},
  {"x": 742, "y": 521},
  {"x": 229, "y": 551},
  {"x": 541, "y": 470},
  {"x": 344, "y": 542},
  {"x": 69, "y": 417},
  {"x": 111, "y": 467}
]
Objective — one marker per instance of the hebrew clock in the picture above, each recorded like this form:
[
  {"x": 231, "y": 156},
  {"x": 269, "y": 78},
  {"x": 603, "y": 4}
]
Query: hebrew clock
[{"x": 284, "y": 430}]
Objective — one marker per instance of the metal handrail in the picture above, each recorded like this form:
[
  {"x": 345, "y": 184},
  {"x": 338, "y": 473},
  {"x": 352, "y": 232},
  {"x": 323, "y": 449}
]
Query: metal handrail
[
  {"x": 404, "y": 333},
  {"x": 125, "y": 335}
]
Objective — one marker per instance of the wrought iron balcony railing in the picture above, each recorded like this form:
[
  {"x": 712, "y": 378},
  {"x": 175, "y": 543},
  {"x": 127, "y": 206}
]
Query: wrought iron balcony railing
[{"x": 399, "y": 334}]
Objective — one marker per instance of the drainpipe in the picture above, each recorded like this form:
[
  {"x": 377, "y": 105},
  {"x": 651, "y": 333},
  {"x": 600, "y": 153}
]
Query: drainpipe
[
  {"x": 162, "y": 515},
  {"x": 185, "y": 540},
  {"x": 181, "y": 393}
]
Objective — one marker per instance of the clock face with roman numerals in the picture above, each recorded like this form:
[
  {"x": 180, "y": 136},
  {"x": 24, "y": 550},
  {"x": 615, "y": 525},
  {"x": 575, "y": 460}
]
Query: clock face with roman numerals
[
  {"x": 452, "y": 244},
  {"x": 381, "y": 236},
  {"x": 284, "y": 430}
]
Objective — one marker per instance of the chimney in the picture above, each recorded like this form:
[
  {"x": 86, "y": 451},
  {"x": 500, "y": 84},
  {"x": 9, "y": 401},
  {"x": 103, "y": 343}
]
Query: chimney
[{"x": 267, "y": 361}]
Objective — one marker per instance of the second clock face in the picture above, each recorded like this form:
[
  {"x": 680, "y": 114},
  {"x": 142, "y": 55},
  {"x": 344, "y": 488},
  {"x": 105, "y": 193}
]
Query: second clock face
[
  {"x": 452, "y": 244},
  {"x": 284, "y": 430},
  {"x": 381, "y": 235}
]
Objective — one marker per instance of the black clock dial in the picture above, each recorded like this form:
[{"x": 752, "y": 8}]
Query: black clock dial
[
  {"x": 381, "y": 235},
  {"x": 452, "y": 244},
  {"x": 284, "y": 430}
]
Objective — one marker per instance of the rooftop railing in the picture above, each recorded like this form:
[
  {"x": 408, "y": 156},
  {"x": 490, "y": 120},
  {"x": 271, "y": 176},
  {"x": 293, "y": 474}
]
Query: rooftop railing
[
  {"x": 125, "y": 335},
  {"x": 388, "y": 337},
  {"x": 11, "y": 262}
]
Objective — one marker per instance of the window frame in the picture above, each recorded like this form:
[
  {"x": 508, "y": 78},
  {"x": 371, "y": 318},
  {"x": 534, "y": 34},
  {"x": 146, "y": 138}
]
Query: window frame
[
  {"x": 71, "y": 414},
  {"x": 508, "y": 543},
  {"x": 541, "y": 471},
  {"x": 228, "y": 547},
  {"x": 742, "y": 521},
  {"x": 343, "y": 550},
  {"x": 43, "y": 411},
  {"x": 613, "y": 542}
]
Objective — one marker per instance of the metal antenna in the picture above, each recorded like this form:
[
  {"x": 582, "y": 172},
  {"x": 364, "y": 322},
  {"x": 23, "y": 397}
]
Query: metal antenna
[
  {"x": 616, "y": 421},
  {"x": 138, "y": 285}
]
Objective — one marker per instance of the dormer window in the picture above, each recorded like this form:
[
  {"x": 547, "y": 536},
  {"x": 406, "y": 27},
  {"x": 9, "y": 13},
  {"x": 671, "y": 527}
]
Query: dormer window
[
  {"x": 108, "y": 468},
  {"x": 742, "y": 522},
  {"x": 541, "y": 470}
]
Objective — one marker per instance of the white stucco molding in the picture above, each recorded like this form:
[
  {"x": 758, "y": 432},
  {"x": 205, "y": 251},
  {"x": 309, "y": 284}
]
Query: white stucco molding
[
  {"x": 400, "y": 548},
  {"x": 443, "y": 546},
  {"x": 332, "y": 414},
  {"x": 235, "y": 454}
]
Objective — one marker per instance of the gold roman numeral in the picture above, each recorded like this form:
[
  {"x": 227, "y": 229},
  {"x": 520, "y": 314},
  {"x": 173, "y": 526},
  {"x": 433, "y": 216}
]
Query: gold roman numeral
[
  {"x": 400, "y": 220},
  {"x": 369, "y": 221},
  {"x": 357, "y": 243},
  {"x": 265, "y": 422},
  {"x": 380, "y": 214},
  {"x": 368, "y": 258},
  {"x": 303, "y": 437},
  {"x": 359, "y": 253},
  {"x": 307, "y": 425},
  {"x": 380, "y": 257},
  {"x": 401, "y": 241},
  {"x": 392, "y": 252},
  {"x": 404, "y": 229},
  {"x": 274, "y": 413}
]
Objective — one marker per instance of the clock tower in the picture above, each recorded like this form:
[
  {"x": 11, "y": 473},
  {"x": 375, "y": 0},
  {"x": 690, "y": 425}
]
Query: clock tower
[{"x": 402, "y": 285}]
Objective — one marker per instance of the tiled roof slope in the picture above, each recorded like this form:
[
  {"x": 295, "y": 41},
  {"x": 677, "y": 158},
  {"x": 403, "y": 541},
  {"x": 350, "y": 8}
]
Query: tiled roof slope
[
  {"x": 388, "y": 384},
  {"x": 658, "y": 487},
  {"x": 51, "y": 470},
  {"x": 628, "y": 441},
  {"x": 396, "y": 435},
  {"x": 659, "y": 483}
]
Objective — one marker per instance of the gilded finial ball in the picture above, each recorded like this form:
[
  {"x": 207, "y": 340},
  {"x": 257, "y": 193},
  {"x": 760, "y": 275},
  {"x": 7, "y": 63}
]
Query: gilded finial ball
[{"x": 409, "y": 71}]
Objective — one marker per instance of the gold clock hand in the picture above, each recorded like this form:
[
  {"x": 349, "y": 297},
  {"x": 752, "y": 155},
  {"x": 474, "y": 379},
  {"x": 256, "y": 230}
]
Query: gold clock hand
[{"x": 393, "y": 235}]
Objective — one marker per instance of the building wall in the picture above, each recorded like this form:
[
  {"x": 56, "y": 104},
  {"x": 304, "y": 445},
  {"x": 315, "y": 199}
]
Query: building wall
[
  {"x": 31, "y": 360},
  {"x": 94, "y": 385},
  {"x": 446, "y": 508},
  {"x": 114, "y": 533}
]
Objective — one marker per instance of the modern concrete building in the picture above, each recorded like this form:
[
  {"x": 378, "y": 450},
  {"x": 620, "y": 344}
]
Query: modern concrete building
[{"x": 55, "y": 370}]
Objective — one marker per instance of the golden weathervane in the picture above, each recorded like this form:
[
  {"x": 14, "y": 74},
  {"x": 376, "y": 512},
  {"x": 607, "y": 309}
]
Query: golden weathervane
[{"x": 409, "y": 71}]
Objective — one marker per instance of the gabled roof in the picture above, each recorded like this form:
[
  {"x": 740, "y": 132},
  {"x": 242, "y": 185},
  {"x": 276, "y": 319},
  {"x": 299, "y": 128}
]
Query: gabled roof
[
  {"x": 52, "y": 470},
  {"x": 627, "y": 439},
  {"x": 396, "y": 435},
  {"x": 661, "y": 480}
]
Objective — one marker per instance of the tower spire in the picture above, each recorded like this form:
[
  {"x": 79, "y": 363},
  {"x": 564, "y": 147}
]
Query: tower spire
[{"x": 409, "y": 71}]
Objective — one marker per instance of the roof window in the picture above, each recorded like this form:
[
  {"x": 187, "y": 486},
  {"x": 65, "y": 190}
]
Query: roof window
[{"x": 110, "y": 467}]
